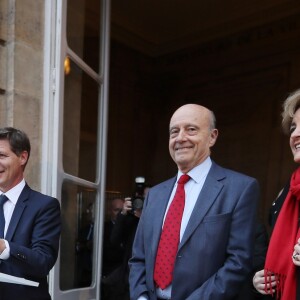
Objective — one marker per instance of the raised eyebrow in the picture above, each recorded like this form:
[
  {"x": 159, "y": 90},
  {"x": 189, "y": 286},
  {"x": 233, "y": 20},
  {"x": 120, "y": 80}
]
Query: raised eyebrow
[
  {"x": 192, "y": 125},
  {"x": 185, "y": 127}
]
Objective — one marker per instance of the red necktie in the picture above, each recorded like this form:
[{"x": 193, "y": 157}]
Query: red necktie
[{"x": 169, "y": 239}]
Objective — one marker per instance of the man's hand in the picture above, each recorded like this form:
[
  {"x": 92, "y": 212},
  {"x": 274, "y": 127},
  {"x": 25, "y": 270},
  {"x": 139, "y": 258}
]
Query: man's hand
[
  {"x": 2, "y": 246},
  {"x": 127, "y": 206}
]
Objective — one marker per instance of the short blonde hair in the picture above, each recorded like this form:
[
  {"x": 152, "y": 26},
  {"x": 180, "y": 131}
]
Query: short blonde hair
[{"x": 290, "y": 105}]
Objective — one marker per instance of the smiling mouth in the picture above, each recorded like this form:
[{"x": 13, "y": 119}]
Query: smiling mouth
[
  {"x": 297, "y": 146},
  {"x": 182, "y": 148}
]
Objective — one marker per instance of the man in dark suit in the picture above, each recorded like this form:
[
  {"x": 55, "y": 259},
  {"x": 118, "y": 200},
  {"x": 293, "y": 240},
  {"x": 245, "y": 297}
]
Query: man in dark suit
[
  {"x": 214, "y": 254},
  {"x": 30, "y": 244}
]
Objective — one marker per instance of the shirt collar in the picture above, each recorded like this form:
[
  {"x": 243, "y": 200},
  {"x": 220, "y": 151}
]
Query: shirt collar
[
  {"x": 199, "y": 171},
  {"x": 14, "y": 193}
]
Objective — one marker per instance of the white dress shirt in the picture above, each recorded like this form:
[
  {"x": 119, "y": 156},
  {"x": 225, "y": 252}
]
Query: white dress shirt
[
  {"x": 192, "y": 190},
  {"x": 8, "y": 209}
]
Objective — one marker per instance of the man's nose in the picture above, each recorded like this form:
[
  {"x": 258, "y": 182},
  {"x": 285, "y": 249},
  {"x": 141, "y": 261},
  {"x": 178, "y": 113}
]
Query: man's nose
[{"x": 181, "y": 135}]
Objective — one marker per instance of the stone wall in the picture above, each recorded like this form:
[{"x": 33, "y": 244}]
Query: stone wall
[{"x": 21, "y": 76}]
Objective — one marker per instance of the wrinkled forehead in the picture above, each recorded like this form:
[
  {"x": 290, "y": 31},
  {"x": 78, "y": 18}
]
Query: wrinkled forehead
[
  {"x": 189, "y": 115},
  {"x": 4, "y": 144}
]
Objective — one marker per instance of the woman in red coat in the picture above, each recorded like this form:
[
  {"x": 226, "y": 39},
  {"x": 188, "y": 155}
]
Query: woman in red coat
[{"x": 280, "y": 273}]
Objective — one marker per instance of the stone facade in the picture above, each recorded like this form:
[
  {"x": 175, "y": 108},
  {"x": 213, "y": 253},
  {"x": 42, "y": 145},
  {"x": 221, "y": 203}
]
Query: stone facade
[{"x": 21, "y": 76}]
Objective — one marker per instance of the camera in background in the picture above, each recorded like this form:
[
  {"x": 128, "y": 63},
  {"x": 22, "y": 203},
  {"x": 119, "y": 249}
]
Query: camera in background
[{"x": 138, "y": 196}]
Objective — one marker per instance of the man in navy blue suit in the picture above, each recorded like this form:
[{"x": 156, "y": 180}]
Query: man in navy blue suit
[
  {"x": 30, "y": 244},
  {"x": 218, "y": 223}
]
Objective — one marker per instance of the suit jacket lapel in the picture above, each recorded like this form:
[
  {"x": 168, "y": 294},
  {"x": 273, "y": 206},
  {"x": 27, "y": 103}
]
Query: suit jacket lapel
[
  {"x": 161, "y": 205},
  {"x": 211, "y": 189},
  {"x": 17, "y": 213}
]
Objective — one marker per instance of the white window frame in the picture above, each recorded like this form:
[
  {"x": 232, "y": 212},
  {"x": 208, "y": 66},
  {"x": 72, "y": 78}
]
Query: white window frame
[{"x": 52, "y": 174}]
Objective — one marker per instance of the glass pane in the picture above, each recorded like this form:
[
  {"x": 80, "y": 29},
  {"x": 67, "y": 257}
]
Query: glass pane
[
  {"x": 80, "y": 124},
  {"x": 76, "y": 249},
  {"x": 83, "y": 30}
]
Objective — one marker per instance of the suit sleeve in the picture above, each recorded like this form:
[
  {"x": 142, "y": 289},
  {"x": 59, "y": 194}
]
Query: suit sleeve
[
  {"x": 34, "y": 247},
  {"x": 137, "y": 275}
]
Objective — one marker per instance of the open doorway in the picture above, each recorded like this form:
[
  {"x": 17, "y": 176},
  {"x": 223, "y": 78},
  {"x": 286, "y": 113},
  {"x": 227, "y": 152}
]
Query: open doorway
[{"x": 239, "y": 59}]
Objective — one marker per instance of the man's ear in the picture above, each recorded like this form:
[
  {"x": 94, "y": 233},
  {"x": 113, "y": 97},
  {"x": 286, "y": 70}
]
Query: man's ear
[
  {"x": 23, "y": 158},
  {"x": 213, "y": 137}
]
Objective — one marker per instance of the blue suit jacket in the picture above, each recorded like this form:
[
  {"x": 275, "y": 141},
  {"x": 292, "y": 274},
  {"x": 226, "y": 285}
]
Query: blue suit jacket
[
  {"x": 33, "y": 236},
  {"x": 214, "y": 255}
]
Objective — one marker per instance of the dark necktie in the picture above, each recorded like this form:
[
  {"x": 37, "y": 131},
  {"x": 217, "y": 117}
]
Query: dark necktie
[
  {"x": 3, "y": 199},
  {"x": 169, "y": 239}
]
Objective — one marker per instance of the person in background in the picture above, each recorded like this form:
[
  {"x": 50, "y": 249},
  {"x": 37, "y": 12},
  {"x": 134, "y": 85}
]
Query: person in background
[
  {"x": 30, "y": 240},
  {"x": 84, "y": 248},
  {"x": 112, "y": 253},
  {"x": 123, "y": 233},
  {"x": 281, "y": 271},
  {"x": 209, "y": 254}
]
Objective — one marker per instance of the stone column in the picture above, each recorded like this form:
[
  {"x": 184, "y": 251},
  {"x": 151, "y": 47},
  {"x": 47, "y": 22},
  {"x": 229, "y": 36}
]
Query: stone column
[{"x": 21, "y": 74}]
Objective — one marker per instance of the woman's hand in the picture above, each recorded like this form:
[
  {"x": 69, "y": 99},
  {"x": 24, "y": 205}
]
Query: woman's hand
[
  {"x": 260, "y": 284},
  {"x": 296, "y": 254}
]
